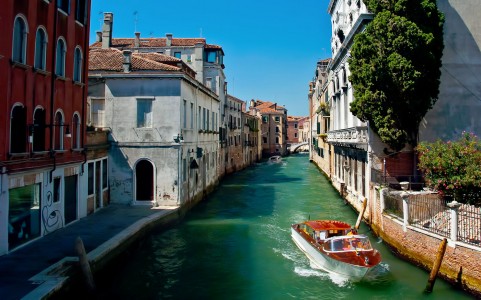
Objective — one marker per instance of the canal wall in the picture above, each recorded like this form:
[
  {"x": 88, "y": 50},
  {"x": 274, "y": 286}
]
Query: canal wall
[{"x": 461, "y": 264}]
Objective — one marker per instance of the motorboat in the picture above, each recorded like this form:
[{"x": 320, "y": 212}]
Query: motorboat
[
  {"x": 336, "y": 248},
  {"x": 275, "y": 159}
]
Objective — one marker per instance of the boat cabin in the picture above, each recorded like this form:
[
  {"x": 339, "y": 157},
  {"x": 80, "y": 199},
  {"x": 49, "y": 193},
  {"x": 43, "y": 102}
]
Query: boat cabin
[
  {"x": 348, "y": 243},
  {"x": 322, "y": 230}
]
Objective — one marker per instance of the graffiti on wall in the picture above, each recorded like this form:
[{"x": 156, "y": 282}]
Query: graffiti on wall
[{"x": 52, "y": 218}]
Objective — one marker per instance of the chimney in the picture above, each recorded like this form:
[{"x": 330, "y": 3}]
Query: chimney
[
  {"x": 137, "y": 40},
  {"x": 99, "y": 36},
  {"x": 107, "y": 30},
  {"x": 127, "y": 63},
  {"x": 168, "y": 42},
  {"x": 253, "y": 104}
]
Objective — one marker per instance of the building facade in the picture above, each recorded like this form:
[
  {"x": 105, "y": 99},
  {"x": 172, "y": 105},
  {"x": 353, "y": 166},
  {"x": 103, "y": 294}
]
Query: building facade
[
  {"x": 162, "y": 127},
  {"x": 273, "y": 127},
  {"x": 43, "y": 55},
  {"x": 206, "y": 60}
]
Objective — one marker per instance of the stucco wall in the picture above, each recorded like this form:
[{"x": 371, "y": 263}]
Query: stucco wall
[{"x": 459, "y": 103}]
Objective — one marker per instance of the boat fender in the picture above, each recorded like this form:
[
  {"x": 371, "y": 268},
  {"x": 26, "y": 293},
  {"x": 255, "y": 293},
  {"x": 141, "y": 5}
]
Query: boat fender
[{"x": 366, "y": 260}]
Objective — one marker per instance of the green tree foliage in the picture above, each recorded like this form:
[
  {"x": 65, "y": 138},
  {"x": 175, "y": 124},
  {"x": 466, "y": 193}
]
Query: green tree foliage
[
  {"x": 453, "y": 168},
  {"x": 395, "y": 68}
]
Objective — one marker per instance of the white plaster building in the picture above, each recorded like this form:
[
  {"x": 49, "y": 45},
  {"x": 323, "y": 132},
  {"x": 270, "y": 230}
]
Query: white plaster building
[
  {"x": 207, "y": 60},
  {"x": 347, "y": 135},
  {"x": 163, "y": 127}
]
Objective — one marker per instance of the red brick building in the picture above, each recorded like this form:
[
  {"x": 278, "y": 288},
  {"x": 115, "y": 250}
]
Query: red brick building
[{"x": 43, "y": 71}]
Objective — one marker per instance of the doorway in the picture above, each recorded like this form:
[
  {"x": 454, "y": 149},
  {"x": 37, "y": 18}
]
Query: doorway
[{"x": 144, "y": 181}]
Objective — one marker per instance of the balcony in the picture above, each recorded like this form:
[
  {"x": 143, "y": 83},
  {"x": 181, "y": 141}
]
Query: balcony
[{"x": 354, "y": 137}]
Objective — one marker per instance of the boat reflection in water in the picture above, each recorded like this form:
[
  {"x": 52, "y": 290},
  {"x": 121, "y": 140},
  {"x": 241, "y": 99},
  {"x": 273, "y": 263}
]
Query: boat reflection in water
[{"x": 334, "y": 247}]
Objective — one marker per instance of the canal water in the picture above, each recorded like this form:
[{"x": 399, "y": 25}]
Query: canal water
[{"x": 237, "y": 245}]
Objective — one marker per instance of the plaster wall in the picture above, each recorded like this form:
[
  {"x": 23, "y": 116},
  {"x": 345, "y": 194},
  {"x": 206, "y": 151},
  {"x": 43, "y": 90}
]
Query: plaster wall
[{"x": 459, "y": 103}]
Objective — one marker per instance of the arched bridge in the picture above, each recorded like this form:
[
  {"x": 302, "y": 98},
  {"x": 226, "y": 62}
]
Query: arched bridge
[{"x": 294, "y": 147}]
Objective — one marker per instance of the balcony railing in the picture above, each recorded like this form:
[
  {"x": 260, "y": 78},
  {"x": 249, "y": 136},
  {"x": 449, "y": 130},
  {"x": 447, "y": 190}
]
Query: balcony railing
[{"x": 353, "y": 136}]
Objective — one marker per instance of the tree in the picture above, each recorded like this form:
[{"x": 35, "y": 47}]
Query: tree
[
  {"x": 452, "y": 168},
  {"x": 395, "y": 68}
]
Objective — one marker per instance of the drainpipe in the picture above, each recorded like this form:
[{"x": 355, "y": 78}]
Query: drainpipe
[{"x": 52, "y": 90}]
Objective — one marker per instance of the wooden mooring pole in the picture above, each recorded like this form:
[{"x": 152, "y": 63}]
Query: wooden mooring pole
[
  {"x": 358, "y": 223},
  {"x": 84, "y": 264},
  {"x": 436, "y": 266}
]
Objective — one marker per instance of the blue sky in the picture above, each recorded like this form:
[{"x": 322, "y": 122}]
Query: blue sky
[{"x": 271, "y": 47}]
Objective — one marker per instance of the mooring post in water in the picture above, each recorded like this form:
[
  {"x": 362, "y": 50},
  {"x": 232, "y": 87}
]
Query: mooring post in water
[
  {"x": 364, "y": 205},
  {"x": 84, "y": 264},
  {"x": 436, "y": 266}
]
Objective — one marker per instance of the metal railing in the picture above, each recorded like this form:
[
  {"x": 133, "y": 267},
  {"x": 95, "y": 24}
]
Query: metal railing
[{"x": 434, "y": 213}]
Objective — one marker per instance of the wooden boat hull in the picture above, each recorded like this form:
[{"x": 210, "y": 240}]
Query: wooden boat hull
[{"x": 326, "y": 262}]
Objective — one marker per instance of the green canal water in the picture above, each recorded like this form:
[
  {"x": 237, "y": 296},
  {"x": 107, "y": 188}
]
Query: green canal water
[{"x": 237, "y": 245}]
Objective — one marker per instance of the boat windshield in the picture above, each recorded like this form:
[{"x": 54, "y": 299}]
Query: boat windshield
[{"x": 348, "y": 243}]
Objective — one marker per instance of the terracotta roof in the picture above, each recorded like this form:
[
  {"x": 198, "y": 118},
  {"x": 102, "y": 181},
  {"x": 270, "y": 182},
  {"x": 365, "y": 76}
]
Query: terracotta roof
[
  {"x": 157, "y": 43},
  {"x": 112, "y": 60},
  {"x": 235, "y": 98},
  {"x": 266, "y": 107},
  {"x": 293, "y": 118},
  {"x": 158, "y": 57}
]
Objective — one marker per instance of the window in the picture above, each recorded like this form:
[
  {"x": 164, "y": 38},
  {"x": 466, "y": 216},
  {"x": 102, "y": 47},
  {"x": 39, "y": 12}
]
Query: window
[
  {"x": 184, "y": 169},
  {"x": 80, "y": 11},
  {"x": 177, "y": 55},
  {"x": 208, "y": 120},
  {"x": 184, "y": 119},
  {"x": 97, "y": 111},
  {"x": 40, "y": 49},
  {"x": 277, "y": 128},
  {"x": 18, "y": 129},
  {"x": 264, "y": 119},
  {"x": 76, "y": 132},
  {"x": 295, "y": 125},
  {"x": 189, "y": 58},
  {"x": 56, "y": 189},
  {"x": 277, "y": 140},
  {"x": 77, "y": 65},
  {"x": 199, "y": 116},
  {"x": 295, "y": 134},
  {"x": 58, "y": 128},
  {"x": 144, "y": 113},
  {"x": 64, "y": 5},
  {"x": 277, "y": 119},
  {"x": 20, "y": 40},
  {"x": 192, "y": 116},
  {"x": 204, "y": 119},
  {"x": 104, "y": 174},
  {"x": 23, "y": 214},
  {"x": 211, "y": 56},
  {"x": 264, "y": 140},
  {"x": 213, "y": 118},
  {"x": 91, "y": 170},
  {"x": 60, "y": 58},
  {"x": 38, "y": 130},
  {"x": 208, "y": 82}
]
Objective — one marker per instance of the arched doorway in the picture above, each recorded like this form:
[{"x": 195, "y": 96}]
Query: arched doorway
[{"x": 144, "y": 181}]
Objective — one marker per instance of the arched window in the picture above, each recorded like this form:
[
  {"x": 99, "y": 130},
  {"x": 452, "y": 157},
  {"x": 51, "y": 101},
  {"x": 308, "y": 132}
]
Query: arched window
[
  {"x": 77, "y": 65},
  {"x": 18, "y": 129},
  {"x": 58, "y": 129},
  {"x": 60, "y": 58},
  {"x": 38, "y": 130},
  {"x": 76, "y": 132},
  {"x": 40, "y": 49},
  {"x": 20, "y": 31}
]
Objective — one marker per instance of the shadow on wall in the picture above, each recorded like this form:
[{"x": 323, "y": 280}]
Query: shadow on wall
[
  {"x": 459, "y": 103},
  {"x": 120, "y": 175}
]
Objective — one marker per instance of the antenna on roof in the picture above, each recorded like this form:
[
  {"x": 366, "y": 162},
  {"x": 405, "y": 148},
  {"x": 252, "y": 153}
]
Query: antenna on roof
[
  {"x": 101, "y": 18},
  {"x": 136, "y": 19}
]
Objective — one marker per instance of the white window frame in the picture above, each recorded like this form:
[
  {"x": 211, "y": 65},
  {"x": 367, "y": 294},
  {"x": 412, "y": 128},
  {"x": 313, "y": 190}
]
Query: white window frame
[
  {"x": 43, "y": 49},
  {"x": 23, "y": 42}
]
